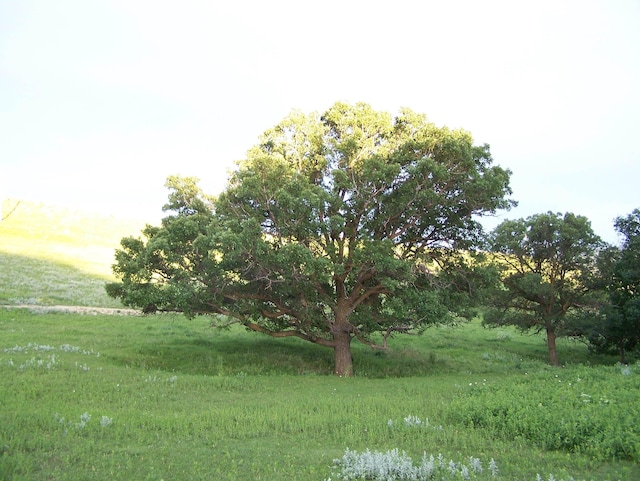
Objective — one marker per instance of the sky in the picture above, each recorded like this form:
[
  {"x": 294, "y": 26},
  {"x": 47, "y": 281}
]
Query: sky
[{"x": 102, "y": 100}]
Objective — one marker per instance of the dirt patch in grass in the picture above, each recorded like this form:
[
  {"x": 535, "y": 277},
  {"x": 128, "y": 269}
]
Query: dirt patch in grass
[{"x": 91, "y": 311}]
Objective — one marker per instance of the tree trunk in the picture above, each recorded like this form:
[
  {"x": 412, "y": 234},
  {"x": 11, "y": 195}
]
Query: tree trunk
[
  {"x": 623, "y": 357},
  {"x": 551, "y": 342},
  {"x": 342, "y": 353}
]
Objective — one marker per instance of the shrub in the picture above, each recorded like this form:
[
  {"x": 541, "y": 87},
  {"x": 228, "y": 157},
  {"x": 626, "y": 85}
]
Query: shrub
[{"x": 589, "y": 410}]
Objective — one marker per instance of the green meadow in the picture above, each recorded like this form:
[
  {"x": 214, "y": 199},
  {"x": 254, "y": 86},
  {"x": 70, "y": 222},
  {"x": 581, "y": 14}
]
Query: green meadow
[{"x": 164, "y": 397}]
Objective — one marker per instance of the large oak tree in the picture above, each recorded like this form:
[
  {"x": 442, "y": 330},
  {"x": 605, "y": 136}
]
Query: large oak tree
[{"x": 335, "y": 227}]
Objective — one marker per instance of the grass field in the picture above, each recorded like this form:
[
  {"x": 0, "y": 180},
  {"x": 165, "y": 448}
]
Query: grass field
[{"x": 164, "y": 397}]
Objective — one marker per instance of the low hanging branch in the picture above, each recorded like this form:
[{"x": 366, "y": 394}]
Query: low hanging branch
[{"x": 6, "y": 216}]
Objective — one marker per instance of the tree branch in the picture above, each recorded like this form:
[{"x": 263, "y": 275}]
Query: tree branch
[
  {"x": 4, "y": 217},
  {"x": 300, "y": 335}
]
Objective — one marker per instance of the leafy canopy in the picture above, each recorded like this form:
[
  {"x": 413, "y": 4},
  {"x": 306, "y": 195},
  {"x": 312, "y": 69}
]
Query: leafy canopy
[
  {"x": 620, "y": 327},
  {"x": 331, "y": 229},
  {"x": 547, "y": 264}
]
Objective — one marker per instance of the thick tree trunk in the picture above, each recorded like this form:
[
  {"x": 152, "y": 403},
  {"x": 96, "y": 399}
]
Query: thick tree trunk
[
  {"x": 342, "y": 353},
  {"x": 551, "y": 342}
]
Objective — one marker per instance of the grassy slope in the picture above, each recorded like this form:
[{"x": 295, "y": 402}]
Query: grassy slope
[{"x": 57, "y": 256}]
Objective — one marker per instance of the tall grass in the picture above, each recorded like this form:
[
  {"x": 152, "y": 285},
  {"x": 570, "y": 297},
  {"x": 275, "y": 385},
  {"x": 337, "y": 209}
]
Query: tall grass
[
  {"x": 172, "y": 398},
  {"x": 583, "y": 410}
]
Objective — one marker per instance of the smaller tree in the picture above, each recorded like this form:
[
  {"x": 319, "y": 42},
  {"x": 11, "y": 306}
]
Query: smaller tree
[
  {"x": 619, "y": 329},
  {"x": 546, "y": 265}
]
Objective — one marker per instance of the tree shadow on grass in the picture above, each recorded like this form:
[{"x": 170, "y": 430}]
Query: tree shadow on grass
[
  {"x": 196, "y": 349},
  {"x": 255, "y": 354},
  {"x": 229, "y": 354},
  {"x": 180, "y": 346}
]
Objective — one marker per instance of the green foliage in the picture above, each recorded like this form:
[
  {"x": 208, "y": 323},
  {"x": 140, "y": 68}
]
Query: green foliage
[
  {"x": 547, "y": 265},
  {"x": 186, "y": 197},
  {"x": 619, "y": 328},
  {"x": 586, "y": 410},
  {"x": 327, "y": 231}
]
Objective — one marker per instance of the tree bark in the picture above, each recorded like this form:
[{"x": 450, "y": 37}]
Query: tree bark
[
  {"x": 623, "y": 357},
  {"x": 551, "y": 342},
  {"x": 342, "y": 353}
]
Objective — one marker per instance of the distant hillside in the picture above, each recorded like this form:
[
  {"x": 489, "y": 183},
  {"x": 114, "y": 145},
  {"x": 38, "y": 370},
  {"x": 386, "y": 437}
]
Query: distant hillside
[{"x": 53, "y": 255}]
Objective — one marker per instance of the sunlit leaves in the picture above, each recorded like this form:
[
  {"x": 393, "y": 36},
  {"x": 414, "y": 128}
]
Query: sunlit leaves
[
  {"x": 547, "y": 262},
  {"x": 322, "y": 228}
]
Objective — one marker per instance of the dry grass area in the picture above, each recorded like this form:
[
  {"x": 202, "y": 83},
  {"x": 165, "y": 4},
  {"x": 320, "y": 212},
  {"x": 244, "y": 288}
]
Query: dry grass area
[
  {"x": 82, "y": 239},
  {"x": 57, "y": 256}
]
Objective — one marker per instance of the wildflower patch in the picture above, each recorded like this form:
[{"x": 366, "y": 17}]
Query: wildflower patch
[
  {"x": 398, "y": 466},
  {"x": 42, "y": 356},
  {"x": 85, "y": 418}
]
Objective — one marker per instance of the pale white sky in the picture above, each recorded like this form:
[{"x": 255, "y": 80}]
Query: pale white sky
[{"x": 101, "y": 100}]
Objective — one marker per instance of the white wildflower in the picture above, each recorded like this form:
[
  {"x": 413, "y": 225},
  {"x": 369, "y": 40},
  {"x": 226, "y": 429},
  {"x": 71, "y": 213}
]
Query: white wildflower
[
  {"x": 476, "y": 465},
  {"x": 493, "y": 467},
  {"x": 105, "y": 421}
]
